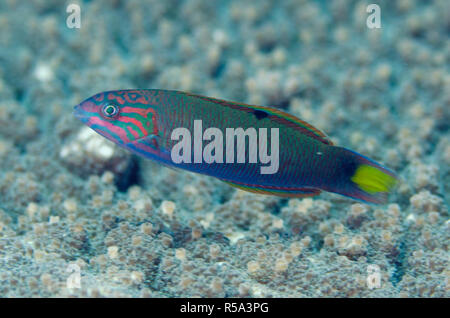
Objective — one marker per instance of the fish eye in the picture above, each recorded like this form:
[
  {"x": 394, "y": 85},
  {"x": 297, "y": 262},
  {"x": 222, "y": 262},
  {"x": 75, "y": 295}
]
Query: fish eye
[{"x": 110, "y": 110}]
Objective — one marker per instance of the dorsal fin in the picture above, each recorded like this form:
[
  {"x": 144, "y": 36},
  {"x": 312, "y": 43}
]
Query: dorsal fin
[{"x": 274, "y": 114}]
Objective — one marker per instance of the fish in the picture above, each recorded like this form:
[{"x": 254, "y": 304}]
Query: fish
[{"x": 231, "y": 141}]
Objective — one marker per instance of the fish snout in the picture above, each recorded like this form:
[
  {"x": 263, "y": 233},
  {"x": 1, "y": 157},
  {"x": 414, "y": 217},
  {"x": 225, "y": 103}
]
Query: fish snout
[{"x": 80, "y": 113}]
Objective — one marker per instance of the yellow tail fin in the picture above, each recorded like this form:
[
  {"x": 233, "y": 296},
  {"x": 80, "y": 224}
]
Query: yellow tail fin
[{"x": 373, "y": 180}]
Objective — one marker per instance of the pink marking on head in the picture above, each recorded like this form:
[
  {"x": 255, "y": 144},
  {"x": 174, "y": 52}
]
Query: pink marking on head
[
  {"x": 141, "y": 111},
  {"x": 128, "y": 91},
  {"x": 99, "y": 97},
  {"x": 120, "y": 132},
  {"x": 133, "y": 132},
  {"x": 89, "y": 106},
  {"x": 134, "y": 121},
  {"x": 116, "y": 98},
  {"x": 144, "y": 113},
  {"x": 155, "y": 126},
  {"x": 140, "y": 100}
]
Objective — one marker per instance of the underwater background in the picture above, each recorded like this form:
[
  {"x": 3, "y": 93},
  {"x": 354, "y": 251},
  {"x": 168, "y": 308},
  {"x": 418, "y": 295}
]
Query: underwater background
[{"x": 81, "y": 217}]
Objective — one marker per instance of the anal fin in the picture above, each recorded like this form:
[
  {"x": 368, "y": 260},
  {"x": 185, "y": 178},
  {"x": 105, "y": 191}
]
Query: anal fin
[{"x": 277, "y": 191}]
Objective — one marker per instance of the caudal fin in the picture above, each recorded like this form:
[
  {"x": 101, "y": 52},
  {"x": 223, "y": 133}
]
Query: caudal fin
[{"x": 368, "y": 181}]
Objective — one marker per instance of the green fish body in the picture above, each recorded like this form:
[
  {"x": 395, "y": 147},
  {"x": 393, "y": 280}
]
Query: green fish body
[{"x": 254, "y": 148}]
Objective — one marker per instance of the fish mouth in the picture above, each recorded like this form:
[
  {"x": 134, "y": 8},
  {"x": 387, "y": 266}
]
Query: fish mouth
[{"x": 80, "y": 114}]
